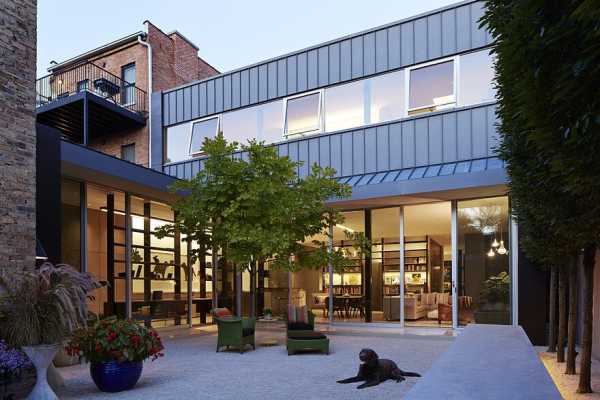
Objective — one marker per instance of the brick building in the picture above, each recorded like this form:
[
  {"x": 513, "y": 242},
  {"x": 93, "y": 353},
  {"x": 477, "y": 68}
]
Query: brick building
[
  {"x": 174, "y": 61},
  {"x": 17, "y": 133}
]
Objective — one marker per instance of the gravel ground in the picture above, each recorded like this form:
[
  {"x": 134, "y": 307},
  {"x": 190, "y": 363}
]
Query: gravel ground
[{"x": 191, "y": 369}]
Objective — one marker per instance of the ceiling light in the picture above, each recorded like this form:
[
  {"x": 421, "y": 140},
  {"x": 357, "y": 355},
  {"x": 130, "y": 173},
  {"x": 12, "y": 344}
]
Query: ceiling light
[
  {"x": 495, "y": 243},
  {"x": 491, "y": 253},
  {"x": 345, "y": 228}
]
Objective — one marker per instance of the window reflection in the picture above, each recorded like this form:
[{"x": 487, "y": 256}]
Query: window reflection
[
  {"x": 477, "y": 76},
  {"x": 303, "y": 114},
  {"x": 386, "y": 97},
  {"x": 345, "y": 106},
  {"x": 483, "y": 261},
  {"x": 431, "y": 88},
  {"x": 176, "y": 143},
  {"x": 263, "y": 122},
  {"x": 202, "y": 130}
]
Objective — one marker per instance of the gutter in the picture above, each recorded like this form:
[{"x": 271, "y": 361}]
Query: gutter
[{"x": 149, "y": 53}]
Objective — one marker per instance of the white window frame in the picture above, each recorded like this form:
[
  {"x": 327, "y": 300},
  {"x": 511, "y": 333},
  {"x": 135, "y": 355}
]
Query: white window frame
[
  {"x": 192, "y": 123},
  {"x": 320, "y": 114},
  {"x": 408, "y": 70}
]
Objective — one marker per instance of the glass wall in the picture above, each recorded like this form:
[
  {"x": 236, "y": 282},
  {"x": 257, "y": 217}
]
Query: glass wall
[
  {"x": 263, "y": 122},
  {"x": 385, "y": 255},
  {"x": 345, "y": 106},
  {"x": 70, "y": 223},
  {"x": 484, "y": 280},
  {"x": 386, "y": 94},
  {"x": 303, "y": 114},
  {"x": 177, "y": 140},
  {"x": 427, "y": 265},
  {"x": 477, "y": 76}
]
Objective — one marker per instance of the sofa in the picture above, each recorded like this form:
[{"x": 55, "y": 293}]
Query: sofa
[{"x": 413, "y": 308}]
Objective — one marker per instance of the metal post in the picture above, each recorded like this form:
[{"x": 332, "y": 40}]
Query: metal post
[
  {"x": 83, "y": 243},
  {"x": 190, "y": 281},
  {"x": 330, "y": 270},
  {"x": 514, "y": 269},
  {"x": 454, "y": 244},
  {"x": 237, "y": 270},
  {"x": 252, "y": 266},
  {"x": 128, "y": 266},
  {"x": 368, "y": 272},
  {"x": 215, "y": 278},
  {"x": 86, "y": 119},
  {"x": 110, "y": 252},
  {"x": 402, "y": 261}
]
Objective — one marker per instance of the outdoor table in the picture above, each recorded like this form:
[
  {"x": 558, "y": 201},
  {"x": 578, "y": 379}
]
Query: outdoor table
[{"x": 269, "y": 340}]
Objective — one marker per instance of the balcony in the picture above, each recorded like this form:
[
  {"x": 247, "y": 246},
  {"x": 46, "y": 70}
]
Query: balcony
[{"x": 86, "y": 102}]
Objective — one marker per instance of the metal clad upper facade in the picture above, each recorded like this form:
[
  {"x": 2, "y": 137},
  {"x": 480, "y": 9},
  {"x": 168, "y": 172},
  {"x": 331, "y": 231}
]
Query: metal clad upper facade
[{"x": 426, "y": 37}]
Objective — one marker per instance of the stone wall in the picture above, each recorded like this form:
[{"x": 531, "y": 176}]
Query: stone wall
[{"x": 17, "y": 132}]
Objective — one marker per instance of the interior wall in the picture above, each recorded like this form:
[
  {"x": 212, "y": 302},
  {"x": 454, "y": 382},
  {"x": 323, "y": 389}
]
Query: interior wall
[{"x": 596, "y": 322}]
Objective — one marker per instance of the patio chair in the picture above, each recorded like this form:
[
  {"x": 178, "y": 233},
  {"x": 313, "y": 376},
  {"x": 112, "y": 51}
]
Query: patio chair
[
  {"x": 234, "y": 331},
  {"x": 301, "y": 335}
]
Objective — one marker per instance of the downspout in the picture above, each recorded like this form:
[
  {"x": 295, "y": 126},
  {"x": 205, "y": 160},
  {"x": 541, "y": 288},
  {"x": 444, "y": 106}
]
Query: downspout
[{"x": 149, "y": 52}]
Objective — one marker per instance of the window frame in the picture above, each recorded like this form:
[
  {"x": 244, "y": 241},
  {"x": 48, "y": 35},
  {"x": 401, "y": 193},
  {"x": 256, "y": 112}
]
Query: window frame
[
  {"x": 126, "y": 84},
  {"x": 455, "y": 84},
  {"x": 197, "y": 121},
  {"x": 320, "y": 114},
  {"x": 128, "y": 145}
]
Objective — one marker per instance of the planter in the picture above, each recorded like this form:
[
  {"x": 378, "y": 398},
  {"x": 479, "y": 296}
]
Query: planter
[
  {"x": 17, "y": 385},
  {"x": 41, "y": 356},
  {"x": 112, "y": 376}
]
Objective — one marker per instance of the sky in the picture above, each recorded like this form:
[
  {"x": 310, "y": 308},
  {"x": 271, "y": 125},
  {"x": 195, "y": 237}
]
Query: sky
[{"x": 230, "y": 34}]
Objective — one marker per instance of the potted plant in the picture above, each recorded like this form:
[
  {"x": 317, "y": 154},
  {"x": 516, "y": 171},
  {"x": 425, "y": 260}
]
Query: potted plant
[
  {"x": 116, "y": 349},
  {"x": 17, "y": 375},
  {"x": 39, "y": 308}
]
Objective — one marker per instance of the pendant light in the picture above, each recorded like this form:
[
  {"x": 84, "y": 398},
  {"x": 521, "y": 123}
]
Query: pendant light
[
  {"x": 491, "y": 253},
  {"x": 495, "y": 243},
  {"x": 502, "y": 250}
]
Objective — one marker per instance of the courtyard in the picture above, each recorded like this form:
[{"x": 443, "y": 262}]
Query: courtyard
[{"x": 192, "y": 369}]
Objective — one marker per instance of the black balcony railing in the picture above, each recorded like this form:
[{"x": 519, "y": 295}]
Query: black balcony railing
[{"x": 92, "y": 78}]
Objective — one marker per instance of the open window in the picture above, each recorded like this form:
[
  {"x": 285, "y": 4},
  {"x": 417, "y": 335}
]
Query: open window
[
  {"x": 206, "y": 128},
  {"x": 303, "y": 114},
  {"x": 431, "y": 87}
]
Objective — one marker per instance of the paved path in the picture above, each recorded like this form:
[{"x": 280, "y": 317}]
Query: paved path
[
  {"x": 192, "y": 370},
  {"x": 487, "y": 362}
]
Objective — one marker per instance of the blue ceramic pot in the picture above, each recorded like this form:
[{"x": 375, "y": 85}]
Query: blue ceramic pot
[{"x": 112, "y": 376}]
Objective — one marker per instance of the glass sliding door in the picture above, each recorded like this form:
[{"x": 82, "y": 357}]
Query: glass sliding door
[
  {"x": 427, "y": 276},
  {"x": 385, "y": 255},
  {"x": 484, "y": 274}
]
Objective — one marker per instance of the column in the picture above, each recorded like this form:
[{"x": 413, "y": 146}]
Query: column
[
  {"x": 454, "y": 244},
  {"x": 368, "y": 270},
  {"x": 401, "y": 266},
  {"x": 128, "y": 248},
  {"x": 110, "y": 252}
]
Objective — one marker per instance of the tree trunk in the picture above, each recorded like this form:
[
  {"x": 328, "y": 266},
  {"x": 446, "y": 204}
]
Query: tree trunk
[
  {"x": 562, "y": 314},
  {"x": 552, "y": 311},
  {"x": 587, "y": 286},
  {"x": 572, "y": 327}
]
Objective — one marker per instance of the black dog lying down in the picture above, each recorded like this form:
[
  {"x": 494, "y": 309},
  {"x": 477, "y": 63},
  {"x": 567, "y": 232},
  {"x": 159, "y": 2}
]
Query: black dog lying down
[{"x": 375, "y": 370}]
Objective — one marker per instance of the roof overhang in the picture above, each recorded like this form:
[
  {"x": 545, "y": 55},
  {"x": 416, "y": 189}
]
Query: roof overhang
[
  {"x": 94, "y": 52},
  {"x": 87, "y": 165}
]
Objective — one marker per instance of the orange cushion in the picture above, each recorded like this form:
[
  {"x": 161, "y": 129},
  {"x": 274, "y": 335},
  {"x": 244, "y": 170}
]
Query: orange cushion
[{"x": 221, "y": 312}]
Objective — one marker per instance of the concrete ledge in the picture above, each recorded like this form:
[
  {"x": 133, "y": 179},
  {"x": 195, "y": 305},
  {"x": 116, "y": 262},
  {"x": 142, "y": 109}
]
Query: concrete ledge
[{"x": 487, "y": 362}]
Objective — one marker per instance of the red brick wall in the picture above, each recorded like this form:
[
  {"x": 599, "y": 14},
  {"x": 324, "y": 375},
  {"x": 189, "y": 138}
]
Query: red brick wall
[{"x": 174, "y": 62}]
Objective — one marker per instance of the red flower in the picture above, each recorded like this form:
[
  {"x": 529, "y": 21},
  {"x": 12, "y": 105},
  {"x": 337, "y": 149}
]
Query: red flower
[
  {"x": 98, "y": 348},
  {"x": 111, "y": 336}
]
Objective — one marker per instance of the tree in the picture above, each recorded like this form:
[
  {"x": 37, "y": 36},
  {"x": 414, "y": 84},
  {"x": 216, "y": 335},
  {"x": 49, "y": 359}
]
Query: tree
[
  {"x": 254, "y": 208},
  {"x": 548, "y": 77}
]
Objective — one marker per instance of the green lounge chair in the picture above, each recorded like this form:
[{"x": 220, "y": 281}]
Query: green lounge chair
[{"x": 303, "y": 337}]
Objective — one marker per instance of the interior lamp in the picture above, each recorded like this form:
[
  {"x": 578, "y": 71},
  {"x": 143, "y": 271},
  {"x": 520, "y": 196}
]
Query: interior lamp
[
  {"x": 502, "y": 250},
  {"x": 491, "y": 253},
  {"x": 495, "y": 243}
]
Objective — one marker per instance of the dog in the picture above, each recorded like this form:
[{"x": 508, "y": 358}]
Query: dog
[{"x": 375, "y": 370}]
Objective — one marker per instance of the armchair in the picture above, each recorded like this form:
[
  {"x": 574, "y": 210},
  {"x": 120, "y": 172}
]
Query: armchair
[{"x": 235, "y": 331}]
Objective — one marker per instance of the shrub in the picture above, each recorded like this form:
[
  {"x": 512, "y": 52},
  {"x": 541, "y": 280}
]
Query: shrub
[{"x": 113, "y": 339}]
